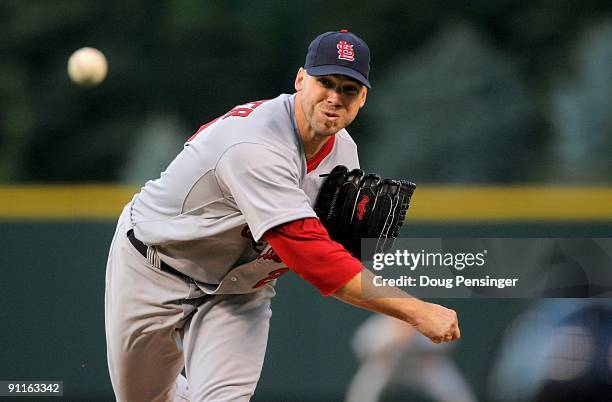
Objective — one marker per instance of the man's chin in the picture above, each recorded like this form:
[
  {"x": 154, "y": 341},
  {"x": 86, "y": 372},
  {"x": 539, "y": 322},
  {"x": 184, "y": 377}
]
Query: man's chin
[
  {"x": 327, "y": 133},
  {"x": 327, "y": 130}
]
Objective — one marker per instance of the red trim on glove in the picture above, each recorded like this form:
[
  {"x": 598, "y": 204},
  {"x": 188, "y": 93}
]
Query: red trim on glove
[
  {"x": 306, "y": 248},
  {"x": 313, "y": 163}
]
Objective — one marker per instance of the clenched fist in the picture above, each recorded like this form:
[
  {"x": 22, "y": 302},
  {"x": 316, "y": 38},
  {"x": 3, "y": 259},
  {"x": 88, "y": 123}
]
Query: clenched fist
[{"x": 436, "y": 322}]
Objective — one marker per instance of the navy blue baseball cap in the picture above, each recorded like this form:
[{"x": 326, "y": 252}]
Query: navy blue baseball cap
[{"x": 341, "y": 53}]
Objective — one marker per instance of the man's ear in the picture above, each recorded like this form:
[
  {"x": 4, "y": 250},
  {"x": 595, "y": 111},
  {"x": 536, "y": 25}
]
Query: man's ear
[
  {"x": 299, "y": 79},
  {"x": 364, "y": 95}
]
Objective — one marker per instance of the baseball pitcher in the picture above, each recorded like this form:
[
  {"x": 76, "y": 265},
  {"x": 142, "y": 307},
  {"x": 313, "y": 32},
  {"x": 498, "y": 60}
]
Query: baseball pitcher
[{"x": 270, "y": 186}]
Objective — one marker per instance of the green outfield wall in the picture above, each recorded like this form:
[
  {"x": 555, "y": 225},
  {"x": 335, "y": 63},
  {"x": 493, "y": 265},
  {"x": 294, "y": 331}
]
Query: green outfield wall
[{"x": 52, "y": 298}]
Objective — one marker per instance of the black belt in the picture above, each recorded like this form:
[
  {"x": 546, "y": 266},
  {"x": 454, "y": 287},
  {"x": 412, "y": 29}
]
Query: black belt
[{"x": 142, "y": 249}]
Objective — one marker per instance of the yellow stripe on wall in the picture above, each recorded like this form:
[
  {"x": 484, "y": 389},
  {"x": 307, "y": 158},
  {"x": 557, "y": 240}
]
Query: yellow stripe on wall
[
  {"x": 429, "y": 204},
  {"x": 512, "y": 203},
  {"x": 64, "y": 201}
]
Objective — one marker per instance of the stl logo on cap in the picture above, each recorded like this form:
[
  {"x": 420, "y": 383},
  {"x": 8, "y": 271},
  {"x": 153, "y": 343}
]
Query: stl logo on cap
[{"x": 345, "y": 51}]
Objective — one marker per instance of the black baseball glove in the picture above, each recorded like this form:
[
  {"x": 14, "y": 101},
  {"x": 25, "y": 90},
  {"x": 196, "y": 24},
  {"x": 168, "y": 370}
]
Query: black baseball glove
[{"x": 354, "y": 205}]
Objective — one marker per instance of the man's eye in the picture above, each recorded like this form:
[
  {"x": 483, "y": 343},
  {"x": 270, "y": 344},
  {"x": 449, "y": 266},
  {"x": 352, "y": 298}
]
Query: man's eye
[
  {"x": 326, "y": 83},
  {"x": 351, "y": 90}
]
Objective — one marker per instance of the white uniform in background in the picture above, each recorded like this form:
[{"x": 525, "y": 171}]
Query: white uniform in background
[{"x": 392, "y": 353}]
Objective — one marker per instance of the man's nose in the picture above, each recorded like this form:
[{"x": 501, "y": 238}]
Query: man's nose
[{"x": 334, "y": 96}]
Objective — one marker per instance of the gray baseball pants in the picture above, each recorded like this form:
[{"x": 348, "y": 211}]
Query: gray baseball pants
[{"x": 157, "y": 323}]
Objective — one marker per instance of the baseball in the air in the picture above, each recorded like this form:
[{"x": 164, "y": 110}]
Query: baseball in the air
[{"x": 87, "y": 67}]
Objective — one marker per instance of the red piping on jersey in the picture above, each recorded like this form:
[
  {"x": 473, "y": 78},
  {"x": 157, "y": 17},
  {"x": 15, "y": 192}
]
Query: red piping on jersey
[{"x": 313, "y": 163}]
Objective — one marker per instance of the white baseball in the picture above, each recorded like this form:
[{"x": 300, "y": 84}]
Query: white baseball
[{"x": 87, "y": 67}]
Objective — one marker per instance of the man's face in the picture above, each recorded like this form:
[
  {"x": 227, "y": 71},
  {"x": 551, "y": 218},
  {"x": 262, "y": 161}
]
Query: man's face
[{"x": 329, "y": 102}]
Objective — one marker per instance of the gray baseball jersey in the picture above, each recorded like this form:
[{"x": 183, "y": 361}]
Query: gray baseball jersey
[{"x": 238, "y": 176}]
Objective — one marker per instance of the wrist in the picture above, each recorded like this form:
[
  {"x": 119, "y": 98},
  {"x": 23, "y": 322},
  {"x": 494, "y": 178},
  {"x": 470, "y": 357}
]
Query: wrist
[{"x": 412, "y": 310}]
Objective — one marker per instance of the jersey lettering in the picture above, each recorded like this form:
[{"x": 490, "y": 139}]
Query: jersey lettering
[
  {"x": 244, "y": 110},
  {"x": 239, "y": 111},
  {"x": 270, "y": 255},
  {"x": 271, "y": 276}
]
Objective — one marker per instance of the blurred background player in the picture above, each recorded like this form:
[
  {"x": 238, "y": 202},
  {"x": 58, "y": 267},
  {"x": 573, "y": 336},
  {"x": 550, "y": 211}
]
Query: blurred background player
[
  {"x": 559, "y": 350},
  {"x": 392, "y": 354}
]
